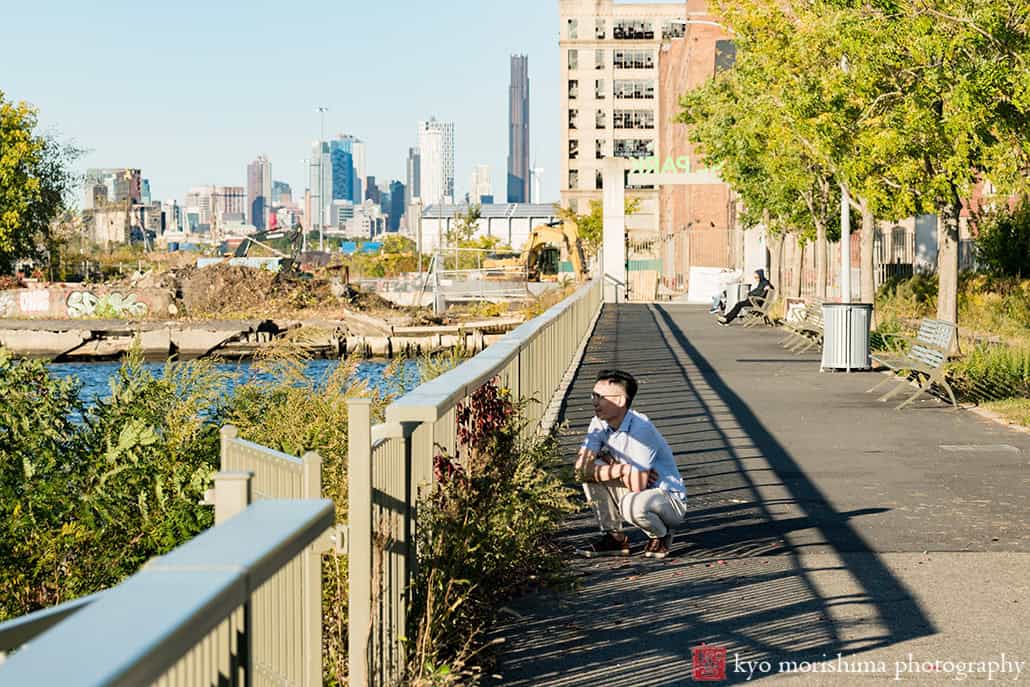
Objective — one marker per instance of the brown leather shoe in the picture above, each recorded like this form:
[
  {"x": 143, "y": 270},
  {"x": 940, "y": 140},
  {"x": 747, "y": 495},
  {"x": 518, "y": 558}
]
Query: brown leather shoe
[
  {"x": 607, "y": 545},
  {"x": 661, "y": 547}
]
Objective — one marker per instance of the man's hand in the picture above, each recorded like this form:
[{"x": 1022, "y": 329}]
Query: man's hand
[{"x": 584, "y": 464}]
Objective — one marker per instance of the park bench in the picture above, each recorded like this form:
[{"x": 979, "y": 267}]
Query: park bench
[
  {"x": 806, "y": 332},
  {"x": 926, "y": 358},
  {"x": 758, "y": 313}
]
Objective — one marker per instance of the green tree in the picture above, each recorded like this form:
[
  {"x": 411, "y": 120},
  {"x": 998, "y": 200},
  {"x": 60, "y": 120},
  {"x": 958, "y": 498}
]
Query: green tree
[
  {"x": 398, "y": 244},
  {"x": 465, "y": 225},
  {"x": 591, "y": 226},
  {"x": 35, "y": 183},
  {"x": 1003, "y": 241}
]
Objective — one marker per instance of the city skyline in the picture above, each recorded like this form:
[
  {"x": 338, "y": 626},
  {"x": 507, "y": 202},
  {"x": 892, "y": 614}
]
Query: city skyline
[{"x": 194, "y": 129}]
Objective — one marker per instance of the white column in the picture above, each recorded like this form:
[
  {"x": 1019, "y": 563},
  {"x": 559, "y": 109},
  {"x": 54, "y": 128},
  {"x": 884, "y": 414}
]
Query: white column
[{"x": 613, "y": 252}]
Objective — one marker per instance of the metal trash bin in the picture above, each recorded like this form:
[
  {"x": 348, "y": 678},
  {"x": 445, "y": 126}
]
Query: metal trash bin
[{"x": 846, "y": 336}]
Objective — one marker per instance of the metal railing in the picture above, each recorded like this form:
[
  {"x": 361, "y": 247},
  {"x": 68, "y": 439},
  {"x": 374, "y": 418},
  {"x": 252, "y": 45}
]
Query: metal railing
[
  {"x": 391, "y": 467},
  {"x": 189, "y": 617},
  {"x": 281, "y": 619},
  {"x": 295, "y": 594}
]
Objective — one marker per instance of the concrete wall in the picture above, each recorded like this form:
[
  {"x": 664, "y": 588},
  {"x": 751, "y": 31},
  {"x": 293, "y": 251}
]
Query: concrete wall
[{"x": 78, "y": 301}]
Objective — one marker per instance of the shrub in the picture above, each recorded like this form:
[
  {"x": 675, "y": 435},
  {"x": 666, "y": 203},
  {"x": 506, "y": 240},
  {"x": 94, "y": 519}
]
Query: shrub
[
  {"x": 992, "y": 372},
  {"x": 1003, "y": 241},
  {"x": 89, "y": 495},
  {"x": 484, "y": 534}
]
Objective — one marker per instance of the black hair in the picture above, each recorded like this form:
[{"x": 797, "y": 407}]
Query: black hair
[{"x": 623, "y": 379}]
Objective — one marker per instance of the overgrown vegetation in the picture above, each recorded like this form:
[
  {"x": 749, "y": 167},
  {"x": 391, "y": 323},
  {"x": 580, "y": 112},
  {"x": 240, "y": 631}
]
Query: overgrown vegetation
[
  {"x": 1003, "y": 241},
  {"x": 483, "y": 535},
  {"x": 87, "y": 495},
  {"x": 994, "y": 364}
]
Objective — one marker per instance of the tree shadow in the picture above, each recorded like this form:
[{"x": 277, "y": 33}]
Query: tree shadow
[{"x": 741, "y": 577}]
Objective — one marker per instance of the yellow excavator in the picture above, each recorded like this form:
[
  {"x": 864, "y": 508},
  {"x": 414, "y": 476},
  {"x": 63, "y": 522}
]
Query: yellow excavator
[{"x": 548, "y": 246}]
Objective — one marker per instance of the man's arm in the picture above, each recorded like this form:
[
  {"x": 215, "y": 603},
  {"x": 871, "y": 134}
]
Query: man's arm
[{"x": 638, "y": 480}]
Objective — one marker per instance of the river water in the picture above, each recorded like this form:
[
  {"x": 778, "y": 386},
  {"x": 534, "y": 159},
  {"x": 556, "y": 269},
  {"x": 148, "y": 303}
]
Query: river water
[{"x": 95, "y": 377}]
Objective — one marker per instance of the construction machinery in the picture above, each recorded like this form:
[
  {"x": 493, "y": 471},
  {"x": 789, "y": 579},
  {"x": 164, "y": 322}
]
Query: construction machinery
[{"x": 549, "y": 245}]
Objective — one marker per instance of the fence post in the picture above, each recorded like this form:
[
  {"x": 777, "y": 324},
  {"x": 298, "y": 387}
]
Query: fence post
[
  {"x": 232, "y": 494},
  {"x": 311, "y": 632},
  {"x": 226, "y": 436},
  {"x": 359, "y": 556}
]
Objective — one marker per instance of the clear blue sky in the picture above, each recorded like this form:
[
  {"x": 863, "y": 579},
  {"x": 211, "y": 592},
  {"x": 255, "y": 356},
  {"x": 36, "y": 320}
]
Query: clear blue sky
[{"x": 192, "y": 91}]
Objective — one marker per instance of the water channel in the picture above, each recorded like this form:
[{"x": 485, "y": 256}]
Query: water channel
[{"x": 95, "y": 377}]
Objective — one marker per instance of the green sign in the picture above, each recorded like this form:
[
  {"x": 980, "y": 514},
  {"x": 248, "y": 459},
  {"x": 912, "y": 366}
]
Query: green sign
[{"x": 653, "y": 165}]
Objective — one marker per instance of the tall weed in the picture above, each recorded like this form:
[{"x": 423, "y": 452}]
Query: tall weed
[{"x": 483, "y": 534}]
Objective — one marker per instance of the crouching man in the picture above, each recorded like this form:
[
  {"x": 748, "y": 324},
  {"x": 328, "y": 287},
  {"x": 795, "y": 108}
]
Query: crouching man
[{"x": 628, "y": 471}]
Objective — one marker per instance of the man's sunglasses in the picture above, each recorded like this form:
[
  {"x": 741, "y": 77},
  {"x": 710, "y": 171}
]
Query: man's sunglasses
[{"x": 594, "y": 396}]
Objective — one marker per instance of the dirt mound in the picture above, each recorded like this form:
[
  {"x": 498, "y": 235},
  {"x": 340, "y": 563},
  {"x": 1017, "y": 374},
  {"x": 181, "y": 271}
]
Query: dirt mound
[
  {"x": 223, "y": 289},
  {"x": 236, "y": 291}
]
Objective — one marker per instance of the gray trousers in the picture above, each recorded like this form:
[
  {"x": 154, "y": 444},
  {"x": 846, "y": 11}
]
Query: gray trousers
[{"x": 652, "y": 510}]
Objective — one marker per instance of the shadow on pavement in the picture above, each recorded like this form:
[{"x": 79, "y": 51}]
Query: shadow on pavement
[{"x": 738, "y": 579}]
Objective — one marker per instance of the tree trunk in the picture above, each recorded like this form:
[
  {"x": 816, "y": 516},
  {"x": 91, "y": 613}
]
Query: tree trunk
[
  {"x": 774, "y": 243},
  {"x": 947, "y": 260},
  {"x": 868, "y": 270},
  {"x": 799, "y": 266},
  {"x": 820, "y": 260}
]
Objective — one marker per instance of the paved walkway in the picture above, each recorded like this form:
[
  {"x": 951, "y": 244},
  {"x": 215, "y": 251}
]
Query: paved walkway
[{"x": 822, "y": 523}]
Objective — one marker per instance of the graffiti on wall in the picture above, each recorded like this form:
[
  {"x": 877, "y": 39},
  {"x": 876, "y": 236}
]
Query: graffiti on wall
[
  {"x": 7, "y": 305},
  {"x": 34, "y": 301},
  {"x": 86, "y": 304}
]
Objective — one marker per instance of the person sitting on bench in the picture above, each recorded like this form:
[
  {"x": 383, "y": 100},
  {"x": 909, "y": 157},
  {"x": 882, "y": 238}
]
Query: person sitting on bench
[{"x": 759, "y": 292}]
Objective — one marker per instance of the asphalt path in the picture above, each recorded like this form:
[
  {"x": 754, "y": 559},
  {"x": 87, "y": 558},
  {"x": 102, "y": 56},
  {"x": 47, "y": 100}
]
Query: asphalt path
[{"x": 831, "y": 539}]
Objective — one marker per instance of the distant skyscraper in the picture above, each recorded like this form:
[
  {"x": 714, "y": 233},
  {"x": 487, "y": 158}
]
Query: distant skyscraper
[
  {"x": 341, "y": 153},
  {"x": 358, "y": 153},
  {"x": 518, "y": 130},
  {"x": 480, "y": 186},
  {"x": 145, "y": 192},
  {"x": 397, "y": 195},
  {"x": 113, "y": 185},
  {"x": 282, "y": 194},
  {"x": 259, "y": 191},
  {"x": 437, "y": 161},
  {"x": 371, "y": 190},
  {"x": 321, "y": 185},
  {"x": 431, "y": 179},
  {"x": 411, "y": 187}
]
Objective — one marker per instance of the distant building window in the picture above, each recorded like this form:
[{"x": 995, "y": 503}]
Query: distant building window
[
  {"x": 633, "y": 90},
  {"x": 573, "y": 29},
  {"x": 633, "y": 119},
  {"x": 599, "y": 59},
  {"x": 674, "y": 29},
  {"x": 573, "y": 60},
  {"x": 599, "y": 89},
  {"x": 599, "y": 147},
  {"x": 573, "y": 179},
  {"x": 573, "y": 89},
  {"x": 600, "y": 29},
  {"x": 634, "y": 148},
  {"x": 725, "y": 55},
  {"x": 600, "y": 120},
  {"x": 573, "y": 116},
  {"x": 573, "y": 149},
  {"x": 633, "y": 30},
  {"x": 633, "y": 59}
]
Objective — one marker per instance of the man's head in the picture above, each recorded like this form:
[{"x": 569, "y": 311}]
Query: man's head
[{"x": 613, "y": 393}]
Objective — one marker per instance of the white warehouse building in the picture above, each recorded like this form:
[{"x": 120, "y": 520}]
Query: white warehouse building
[{"x": 510, "y": 222}]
